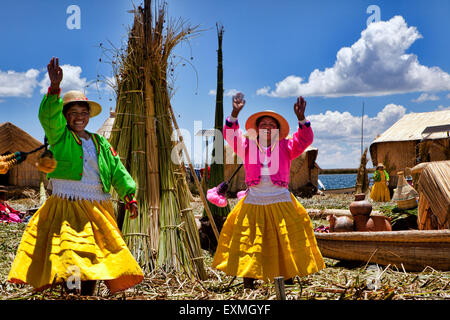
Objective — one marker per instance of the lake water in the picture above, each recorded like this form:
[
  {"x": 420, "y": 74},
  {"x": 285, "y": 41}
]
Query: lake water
[{"x": 336, "y": 181}]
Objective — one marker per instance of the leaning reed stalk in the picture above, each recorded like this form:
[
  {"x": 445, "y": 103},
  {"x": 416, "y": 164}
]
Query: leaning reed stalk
[{"x": 192, "y": 237}]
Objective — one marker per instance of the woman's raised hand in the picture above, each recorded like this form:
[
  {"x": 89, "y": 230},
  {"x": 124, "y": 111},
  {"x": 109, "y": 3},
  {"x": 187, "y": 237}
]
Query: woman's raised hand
[
  {"x": 299, "y": 108},
  {"x": 238, "y": 104},
  {"x": 55, "y": 73}
]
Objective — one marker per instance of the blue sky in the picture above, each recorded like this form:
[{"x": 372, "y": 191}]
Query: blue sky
[{"x": 273, "y": 51}]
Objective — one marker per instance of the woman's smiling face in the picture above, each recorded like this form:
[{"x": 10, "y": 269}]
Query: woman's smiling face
[
  {"x": 77, "y": 117},
  {"x": 267, "y": 128}
]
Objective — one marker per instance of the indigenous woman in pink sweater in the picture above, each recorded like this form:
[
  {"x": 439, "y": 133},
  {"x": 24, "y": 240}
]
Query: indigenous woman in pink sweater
[{"x": 268, "y": 233}]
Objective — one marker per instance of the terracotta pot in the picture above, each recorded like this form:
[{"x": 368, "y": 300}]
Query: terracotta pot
[
  {"x": 360, "y": 206},
  {"x": 373, "y": 223},
  {"x": 340, "y": 224}
]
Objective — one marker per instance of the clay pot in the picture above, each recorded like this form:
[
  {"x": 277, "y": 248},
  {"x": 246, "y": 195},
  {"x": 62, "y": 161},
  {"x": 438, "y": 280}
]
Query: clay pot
[
  {"x": 373, "y": 223},
  {"x": 362, "y": 220},
  {"x": 360, "y": 206},
  {"x": 340, "y": 224}
]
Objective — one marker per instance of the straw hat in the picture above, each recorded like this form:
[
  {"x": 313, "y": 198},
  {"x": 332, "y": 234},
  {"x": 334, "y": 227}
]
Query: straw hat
[
  {"x": 78, "y": 96},
  {"x": 284, "y": 125},
  {"x": 380, "y": 165}
]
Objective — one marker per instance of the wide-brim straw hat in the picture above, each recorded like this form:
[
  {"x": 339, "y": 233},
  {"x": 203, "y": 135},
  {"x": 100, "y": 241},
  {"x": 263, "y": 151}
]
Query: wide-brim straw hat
[
  {"x": 380, "y": 165},
  {"x": 78, "y": 96},
  {"x": 251, "y": 128}
]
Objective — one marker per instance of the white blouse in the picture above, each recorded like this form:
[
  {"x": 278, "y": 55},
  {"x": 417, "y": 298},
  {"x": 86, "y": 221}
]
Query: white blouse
[
  {"x": 266, "y": 192},
  {"x": 90, "y": 186}
]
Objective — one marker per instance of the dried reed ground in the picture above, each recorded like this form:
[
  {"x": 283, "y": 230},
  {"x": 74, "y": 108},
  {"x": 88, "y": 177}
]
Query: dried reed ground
[{"x": 337, "y": 282}]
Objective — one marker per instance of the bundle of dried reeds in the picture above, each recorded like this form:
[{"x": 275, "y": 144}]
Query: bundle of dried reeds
[
  {"x": 362, "y": 179},
  {"x": 166, "y": 224},
  {"x": 435, "y": 188},
  {"x": 130, "y": 137},
  {"x": 176, "y": 232},
  {"x": 165, "y": 234}
]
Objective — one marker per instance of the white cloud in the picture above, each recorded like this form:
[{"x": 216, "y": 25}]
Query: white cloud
[
  {"x": 18, "y": 84},
  {"x": 263, "y": 91},
  {"x": 349, "y": 157},
  {"x": 72, "y": 80},
  {"x": 230, "y": 92},
  {"x": 337, "y": 135},
  {"x": 448, "y": 96},
  {"x": 426, "y": 97},
  {"x": 441, "y": 108},
  {"x": 377, "y": 64},
  {"x": 226, "y": 93}
]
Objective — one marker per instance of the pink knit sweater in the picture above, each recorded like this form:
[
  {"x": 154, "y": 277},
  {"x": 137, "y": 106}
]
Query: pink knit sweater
[{"x": 280, "y": 157}]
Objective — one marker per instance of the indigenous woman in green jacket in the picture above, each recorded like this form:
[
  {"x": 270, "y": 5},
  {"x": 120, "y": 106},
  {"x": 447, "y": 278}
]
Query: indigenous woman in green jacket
[
  {"x": 380, "y": 191},
  {"x": 73, "y": 238}
]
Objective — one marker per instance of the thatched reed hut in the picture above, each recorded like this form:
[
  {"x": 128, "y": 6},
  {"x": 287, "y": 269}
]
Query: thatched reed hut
[
  {"x": 13, "y": 139},
  {"x": 304, "y": 171},
  {"x": 415, "y": 138}
]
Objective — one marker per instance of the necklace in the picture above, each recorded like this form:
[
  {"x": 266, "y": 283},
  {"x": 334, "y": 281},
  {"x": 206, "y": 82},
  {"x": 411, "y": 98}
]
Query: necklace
[{"x": 264, "y": 149}]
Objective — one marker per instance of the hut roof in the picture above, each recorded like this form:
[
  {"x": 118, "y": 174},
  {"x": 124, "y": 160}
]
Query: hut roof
[
  {"x": 412, "y": 125},
  {"x": 13, "y": 139},
  {"x": 105, "y": 129}
]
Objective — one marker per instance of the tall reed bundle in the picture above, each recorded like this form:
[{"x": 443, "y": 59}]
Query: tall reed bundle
[
  {"x": 217, "y": 167},
  {"x": 179, "y": 243},
  {"x": 362, "y": 179},
  {"x": 165, "y": 233},
  {"x": 132, "y": 140}
]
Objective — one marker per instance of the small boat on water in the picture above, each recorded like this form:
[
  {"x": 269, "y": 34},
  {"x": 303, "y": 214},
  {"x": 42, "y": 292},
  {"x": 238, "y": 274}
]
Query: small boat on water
[
  {"x": 336, "y": 190},
  {"x": 339, "y": 190},
  {"x": 411, "y": 250}
]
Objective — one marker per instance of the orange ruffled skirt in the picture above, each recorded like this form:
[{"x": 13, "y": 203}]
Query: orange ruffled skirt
[
  {"x": 267, "y": 241},
  {"x": 68, "y": 238}
]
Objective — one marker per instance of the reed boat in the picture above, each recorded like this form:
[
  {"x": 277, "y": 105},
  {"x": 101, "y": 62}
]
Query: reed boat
[
  {"x": 339, "y": 190},
  {"x": 409, "y": 250}
]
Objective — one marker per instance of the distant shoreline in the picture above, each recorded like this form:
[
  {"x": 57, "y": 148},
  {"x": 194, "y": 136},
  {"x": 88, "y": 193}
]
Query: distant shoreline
[{"x": 343, "y": 171}]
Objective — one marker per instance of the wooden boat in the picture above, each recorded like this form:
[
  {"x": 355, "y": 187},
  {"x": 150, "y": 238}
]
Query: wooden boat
[
  {"x": 339, "y": 190},
  {"x": 411, "y": 250}
]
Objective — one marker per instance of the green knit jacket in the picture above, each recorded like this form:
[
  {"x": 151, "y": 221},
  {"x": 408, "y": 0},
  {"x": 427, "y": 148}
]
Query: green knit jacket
[
  {"x": 377, "y": 175},
  {"x": 68, "y": 151}
]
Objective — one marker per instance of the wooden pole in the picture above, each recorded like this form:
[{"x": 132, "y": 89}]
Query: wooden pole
[
  {"x": 362, "y": 128},
  {"x": 279, "y": 288},
  {"x": 197, "y": 183}
]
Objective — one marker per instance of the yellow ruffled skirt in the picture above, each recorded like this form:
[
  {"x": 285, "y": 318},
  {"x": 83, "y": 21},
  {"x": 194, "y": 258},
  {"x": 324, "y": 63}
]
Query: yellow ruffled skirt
[
  {"x": 267, "y": 241},
  {"x": 380, "y": 192},
  {"x": 66, "y": 239}
]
